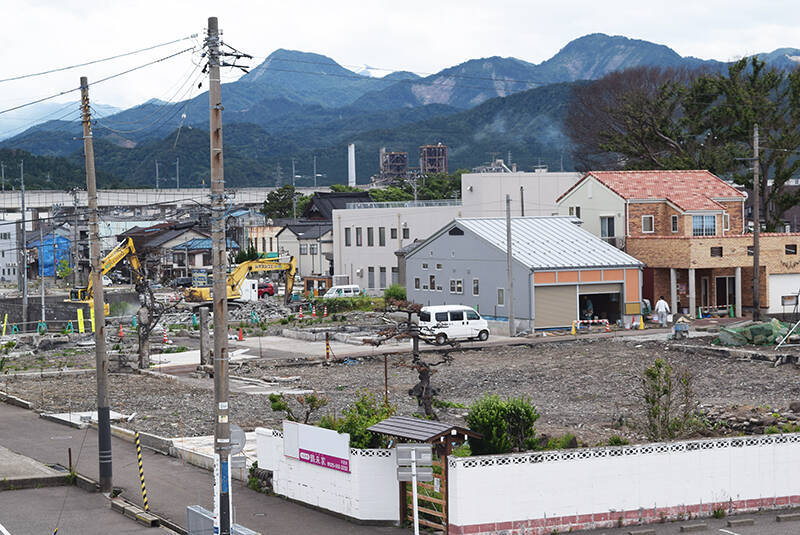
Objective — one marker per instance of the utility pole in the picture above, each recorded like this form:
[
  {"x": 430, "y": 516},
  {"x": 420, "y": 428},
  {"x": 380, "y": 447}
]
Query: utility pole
[
  {"x": 100, "y": 355},
  {"x": 521, "y": 199},
  {"x": 177, "y": 173},
  {"x": 24, "y": 249},
  {"x": 509, "y": 297},
  {"x": 222, "y": 431},
  {"x": 75, "y": 236},
  {"x": 294, "y": 195},
  {"x": 756, "y": 228},
  {"x": 156, "y": 175},
  {"x": 41, "y": 267}
]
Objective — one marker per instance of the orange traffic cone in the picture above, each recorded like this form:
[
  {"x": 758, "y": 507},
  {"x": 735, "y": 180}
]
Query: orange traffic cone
[
  {"x": 301, "y": 312},
  {"x": 240, "y": 334},
  {"x": 165, "y": 339},
  {"x": 313, "y": 311},
  {"x": 325, "y": 311},
  {"x": 608, "y": 327},
  {"x": 121, "y": 334}
]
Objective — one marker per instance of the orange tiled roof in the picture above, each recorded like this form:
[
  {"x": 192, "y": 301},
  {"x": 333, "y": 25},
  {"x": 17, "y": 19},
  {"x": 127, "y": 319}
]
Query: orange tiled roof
[{"x": 688, "y": 190}]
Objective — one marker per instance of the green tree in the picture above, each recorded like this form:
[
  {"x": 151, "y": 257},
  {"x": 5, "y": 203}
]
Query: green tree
[
  {"x": 246, "y": 254},
  {"x": 506, "y": 425},
  {"x": 365, "y": 412},
  {"x": 62, "y": 269},
  {"x": 665, "y": 119},
  {"x": 279, "y": 202}
]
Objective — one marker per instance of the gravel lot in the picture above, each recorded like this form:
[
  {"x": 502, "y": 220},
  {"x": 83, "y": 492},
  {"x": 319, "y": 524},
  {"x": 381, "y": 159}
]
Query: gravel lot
[{"x": 587, "y": 387}]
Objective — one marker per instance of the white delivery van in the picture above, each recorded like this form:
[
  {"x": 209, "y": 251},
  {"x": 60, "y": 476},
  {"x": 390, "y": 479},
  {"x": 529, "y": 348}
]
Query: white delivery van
[
  {"x": 345, "y": 290},
  {"x": 451, "y": 322}
]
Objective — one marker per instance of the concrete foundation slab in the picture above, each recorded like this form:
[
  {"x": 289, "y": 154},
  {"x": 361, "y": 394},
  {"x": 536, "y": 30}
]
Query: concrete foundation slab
[{"x": 79, "y": 420}]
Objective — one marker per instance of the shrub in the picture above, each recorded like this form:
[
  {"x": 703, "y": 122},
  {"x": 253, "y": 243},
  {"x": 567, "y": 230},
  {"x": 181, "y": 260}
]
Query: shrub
[
  {"x": 310, "y": 403},
  {"x": 396, "y": 292},
  {"x": 563, "y": 442},
  {"x": 355, "y": 420},
  {"x": 504, "y": 425},
  {"x": 771, "y": 430},
  {"x": 616, "y": 440},
  {"x": 669, "y": 401}
]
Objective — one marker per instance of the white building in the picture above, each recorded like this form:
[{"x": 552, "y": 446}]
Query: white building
[
  {"x": 484, "y": 194},
  {"x": 10, "y": 254},
  {"x": 366, "y": 236},
  {"x": 310, "y": 243}
]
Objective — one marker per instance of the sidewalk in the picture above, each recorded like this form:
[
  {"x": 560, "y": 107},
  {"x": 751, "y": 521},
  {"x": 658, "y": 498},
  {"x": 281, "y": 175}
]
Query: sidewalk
[{"x": 171, "y": 485}]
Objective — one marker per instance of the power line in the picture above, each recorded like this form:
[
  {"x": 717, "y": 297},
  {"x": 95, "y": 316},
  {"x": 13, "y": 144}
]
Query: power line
[
  {"x": 96, "y": 82},
  {"x": 59, "y": 69}
]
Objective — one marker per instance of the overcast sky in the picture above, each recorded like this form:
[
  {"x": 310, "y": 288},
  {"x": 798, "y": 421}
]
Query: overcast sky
[{"x": 423, "y": 37}]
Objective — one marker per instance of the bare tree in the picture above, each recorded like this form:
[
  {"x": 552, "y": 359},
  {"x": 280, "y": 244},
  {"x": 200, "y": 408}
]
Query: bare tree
[
  {"x": 399, "y": 330},
  {"x": 149, "y": 314}
]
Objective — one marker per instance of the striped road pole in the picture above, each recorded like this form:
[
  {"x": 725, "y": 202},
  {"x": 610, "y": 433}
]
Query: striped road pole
[{"x": 141, "y": 470}]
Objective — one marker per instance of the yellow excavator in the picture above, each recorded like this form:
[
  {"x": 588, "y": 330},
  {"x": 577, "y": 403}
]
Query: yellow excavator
[
  {"x": 124, "y": 249},
  {"x": 240, "y": 272}
]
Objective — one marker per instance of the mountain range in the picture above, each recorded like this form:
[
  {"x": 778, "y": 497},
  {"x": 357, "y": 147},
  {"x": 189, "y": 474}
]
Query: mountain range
[{"x": 298, "y": 105}]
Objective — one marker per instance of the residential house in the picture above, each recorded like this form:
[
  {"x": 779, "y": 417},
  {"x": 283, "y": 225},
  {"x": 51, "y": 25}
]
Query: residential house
[
  {"x": 240, "y": 221},
  {"x": 192, "y": 254},
  {"x": 154, "y": 246},
  {"x": 264, "y": 237},
  {"x": 366, "y": 236},
  {"x": 688, "y": 229},
  {"x": 311, "y": 243},
  {"x": 560, "y": 272},
  {"x": 322, "y": 205}
]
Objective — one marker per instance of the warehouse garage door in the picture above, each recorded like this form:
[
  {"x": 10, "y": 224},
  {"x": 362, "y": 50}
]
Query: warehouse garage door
[
  {"x": 556, "y": 306},
  {"x": 783, "y": 290},
  {"x": 603, "y": 300}
]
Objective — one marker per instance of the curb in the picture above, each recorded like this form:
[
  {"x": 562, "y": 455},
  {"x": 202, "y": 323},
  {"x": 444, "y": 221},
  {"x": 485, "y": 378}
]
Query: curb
[
  {"x": 14, "y": 400},
  {"x": 17, "y": 483}
]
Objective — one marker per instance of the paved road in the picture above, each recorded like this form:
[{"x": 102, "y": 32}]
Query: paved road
[
  {"x": 36, "y": 512},
  {"x": 171, "y": 486}
]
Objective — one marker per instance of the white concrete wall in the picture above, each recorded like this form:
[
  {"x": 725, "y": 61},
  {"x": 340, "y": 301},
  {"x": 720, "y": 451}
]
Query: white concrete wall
[
  {"x": 421, "y": 222},
  {"x": 484, "y": 194},
  {"x": 586, "y": 488},
  {"x": 781, "y": 284},
  {"x": 596, "y": 201},
  {"x": 369, "y": 492},
  {"x": 9, "y": 253}
]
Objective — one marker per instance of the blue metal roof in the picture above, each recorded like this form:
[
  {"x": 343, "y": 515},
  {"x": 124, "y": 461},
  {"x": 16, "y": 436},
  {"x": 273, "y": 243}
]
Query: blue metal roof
[{"x": 200, "y": 244}]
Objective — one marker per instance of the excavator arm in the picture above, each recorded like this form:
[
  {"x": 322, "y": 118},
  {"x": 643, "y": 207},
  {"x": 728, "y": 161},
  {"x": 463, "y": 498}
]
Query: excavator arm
[
  {"x": 237, "y": 276},
  {"x": 123, "y": 249}
]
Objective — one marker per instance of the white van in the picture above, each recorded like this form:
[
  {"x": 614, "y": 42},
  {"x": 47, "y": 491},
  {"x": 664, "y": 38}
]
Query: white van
[
  {"x": 344, "y": 290},
  {"x": 451, "y": 322}
]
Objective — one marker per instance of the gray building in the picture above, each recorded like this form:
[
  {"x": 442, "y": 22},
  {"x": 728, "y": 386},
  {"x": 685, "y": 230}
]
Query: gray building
[{"x": 560, "y": 272}]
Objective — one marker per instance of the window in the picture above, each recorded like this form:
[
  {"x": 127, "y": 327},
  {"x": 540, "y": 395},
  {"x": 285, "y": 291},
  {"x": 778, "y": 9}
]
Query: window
[
  {"x": 270, "y": 242},
  {"x": 371, "y": 277},
  {"x": 303, "y": 248},
  {"x": 416, "y": 283},
  {"x": 405, "y": 234},
  {"x": 425, "y": 266},
  {"x": 726, "y": 222},
  {"x": 575, "y": 210},
  {"x": 674, "y": 222},
  {"x": 370, "y": 236},
  {"x": 347, "y": 241},
  {"x": 395, "y": 276},
  {"x": 313, "y": 248},
  {"x": 382, "y": 277},
  {"x": 393, "y": 233},
  {"x": 501, "y": 297},
  {"x": 263, "y": 244},
  {"x": 455, "y": 231},
  {"x": 432, "y": 282},
  {"x": 441, "y": 316},
  {"x": 439, "y": 266},
  {"x": 606, "y": 227},
  {"x": 704, "y": 225},
  {"x": 457, "y": 315},
  {"x": 648, "y": 224},
  {"x": 716, "y": 252},
  {"x": 382, "y": 236},
  {"x": 750, "y": 250},
  {"x": 472, "y": 315},
  {"x": 476, "y": 287},
  {"x": 456, "y": 286},
  {"x": 359, "y": 238},
  {"x": 791, "y": 248}
]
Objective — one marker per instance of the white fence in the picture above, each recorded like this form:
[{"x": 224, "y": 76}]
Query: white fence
[
  {"x": 537, "y": 493},
  {"x": 369, "y": 492}
]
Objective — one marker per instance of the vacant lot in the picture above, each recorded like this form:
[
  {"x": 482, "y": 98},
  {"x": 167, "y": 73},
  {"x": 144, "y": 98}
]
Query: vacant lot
[{"x": 586, "y": 387}]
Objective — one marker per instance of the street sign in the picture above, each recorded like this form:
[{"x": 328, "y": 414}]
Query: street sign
[
  {"x": 424, "y": 473},
  {"x": 238, "y": 439},
  {"x": 239, "y": 462},
  {"x": 422, "y": 452}
]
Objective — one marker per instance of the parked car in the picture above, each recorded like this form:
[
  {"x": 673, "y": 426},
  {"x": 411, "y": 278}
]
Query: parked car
[
  {"x": 345, "y": 290},
  {"x": 266, "y": 289},
  {"x": 106, "y": 280},
  {"x": 451, "y": 322}
]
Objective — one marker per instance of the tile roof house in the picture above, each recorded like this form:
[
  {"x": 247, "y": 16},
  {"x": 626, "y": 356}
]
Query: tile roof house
[
  {"x": 688, "y": 228},
  {"x": 322, "y": 205}
]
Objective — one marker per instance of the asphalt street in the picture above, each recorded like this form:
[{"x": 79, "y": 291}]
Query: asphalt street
[{"x": 72, "y": 510}]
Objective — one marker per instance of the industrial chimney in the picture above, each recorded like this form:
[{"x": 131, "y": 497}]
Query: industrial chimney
[{"x": 351, "y": 164}]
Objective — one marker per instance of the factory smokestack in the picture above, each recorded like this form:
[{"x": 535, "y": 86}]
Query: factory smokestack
[{"x": 351, "y": 164}]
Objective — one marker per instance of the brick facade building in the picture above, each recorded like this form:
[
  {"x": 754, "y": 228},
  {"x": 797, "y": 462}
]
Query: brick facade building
[{"x": 688, "y": 229}]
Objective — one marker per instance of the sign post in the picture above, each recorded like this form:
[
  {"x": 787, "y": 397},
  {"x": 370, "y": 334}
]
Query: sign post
[{"x": 414, "y": 464}]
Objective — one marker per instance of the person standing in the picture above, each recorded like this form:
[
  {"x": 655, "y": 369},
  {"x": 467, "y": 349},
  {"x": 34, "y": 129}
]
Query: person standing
[{"x": 661, "y": 310}]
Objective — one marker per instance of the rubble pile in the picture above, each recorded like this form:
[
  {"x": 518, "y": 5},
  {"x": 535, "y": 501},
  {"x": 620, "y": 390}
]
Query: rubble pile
[
  {"x": 759, "y": 334},
  {"x": 755, "y": 420},
  {"x": 264, "y": 310}
]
